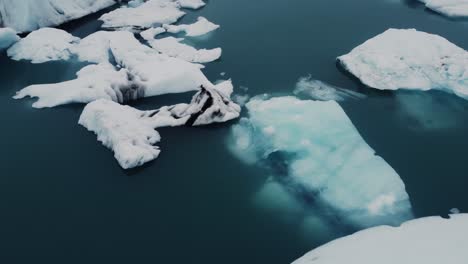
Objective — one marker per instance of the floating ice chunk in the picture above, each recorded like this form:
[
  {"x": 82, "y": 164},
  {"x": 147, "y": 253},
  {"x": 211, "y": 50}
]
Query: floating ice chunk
[
  {"x": 29, "y": 15},
  {"x": 193, "y": 4},
  {"x": 149, "y": 34},
  {"x": 318, "y": 90},
  {"x": 226, "y": 87},
  {"x": 7, "y": 38},
  {"x": 451, "y": 8},
  {"x": 96, "y": 47},
  {"x": 93, "y": 82},
  {"x": 45, "y": 44},
  {"x": 409, "y": 59},
  {"x": 174, "y": 48},
  {"x": 131, "y": 133},
  {"x": 199, "y": 28},
  {"x": 430, "y": 240},
  {"x": 316, "y": 150},
  {"x": 127, "y": 131},
  {"x": 146, "y": 15}
]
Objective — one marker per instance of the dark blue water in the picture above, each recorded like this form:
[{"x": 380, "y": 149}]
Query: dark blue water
[{"x": 64, "y": 199}]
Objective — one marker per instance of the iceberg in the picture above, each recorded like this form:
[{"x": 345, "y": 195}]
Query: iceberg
[
  {"x": 429, "y": 240},
  {"x": 174, "y": 48},
  {"x": 316, "y": 152},
  {"x": 199, "y": 28},
  {"x": 451, "y": 8},
  {"x": 321, "y": 91},
  {"x": 29, "y": 15},
  {"x": 140, "y": 71},
  {"x": 409, "y": 59},
  {"x": 192, "y": 4},
  {"x": 131, "y": 134},
  {"x": 7, "y": 38},
  {"x": 149, "y": 14},
  {"x": 45, "y": 44}
]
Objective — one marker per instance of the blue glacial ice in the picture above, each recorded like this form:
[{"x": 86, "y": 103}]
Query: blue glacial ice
[{"x": 314, "y": 149}]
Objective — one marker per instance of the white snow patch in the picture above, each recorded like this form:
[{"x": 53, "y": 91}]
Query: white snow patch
[
  {"x": 430, "y": 240},
  {"x": 45, "y": 44},
  {"x": 451, "y": 8},
  {"x": 409, "y": 59},
  {"x": 199, "y": 28},
  {"x": 151, "y": 33}
]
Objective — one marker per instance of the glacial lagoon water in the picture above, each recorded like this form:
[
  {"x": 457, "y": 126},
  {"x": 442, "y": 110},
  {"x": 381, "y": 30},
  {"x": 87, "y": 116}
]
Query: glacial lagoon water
[{"x": 64, "y": 199}]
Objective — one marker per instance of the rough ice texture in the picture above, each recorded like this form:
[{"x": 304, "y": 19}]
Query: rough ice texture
[
  {"x": 146, "y": 15},
  {"x": 313, "y": 147},
  {"x": 451, "y": 8},
  {"x": 131, "y": 134},
  {"x": 409, "y": 59},
  {"x": 143, "y": 72},
  {"x": 174, "y": 48},
  {"x": 199, "y": 28},
  {"x": 45, "y": 44},
  {"x": 29, "y": 15},
  {"x": 7, "y": 38},
  {"x": 318, "y": 90},
  {"x": 430, "y": 240}
]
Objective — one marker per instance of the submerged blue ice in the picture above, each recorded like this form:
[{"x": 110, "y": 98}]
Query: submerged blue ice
[{"x": 316, "y": 152}]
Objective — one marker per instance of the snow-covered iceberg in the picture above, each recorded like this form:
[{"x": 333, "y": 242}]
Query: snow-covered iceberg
[
  {"x": 430, "y": 240},
  {"x": 7, "y": 38},
  {"x": 140, "y": 71},
  {"x": 201, "y": 27},
  {"x": 148, "y": 14},
  {"x": 451, "y": 8},
  {"x": 45, "y": 44},
  {"x": 29, "y": 15},
  {"x": 315, "y": 150},
  {"x": 174, "y": 48},
  {"x": 131, "y": 134},
  {"x": 409, "y": 59},
  {"x": 321, "y": 91}
]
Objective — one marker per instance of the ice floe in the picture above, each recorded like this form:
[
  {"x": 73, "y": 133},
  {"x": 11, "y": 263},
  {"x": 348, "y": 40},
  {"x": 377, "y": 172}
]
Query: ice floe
[
  {"x": 314, "y": 149},
  {"x": 131, "y": 134},
  {"x": 149, "y": 14},
  {"x": 430, "y": 240},
  {"x": 45, "y": 44},
  {"x": 451, "y": 8},
  {"x": 29, "y": 15},
  {"x": 409, "y": 59},
  {"x": 174, "y": 48},
  {"x": 321, "y": 91},
  {"x": 151, "y": 33},
  {"x": 7, "y": 38},
  {"x": 199, "y": 28}
]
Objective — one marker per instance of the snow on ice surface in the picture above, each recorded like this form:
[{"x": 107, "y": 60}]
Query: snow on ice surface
[
  {"x": 45, "y": 44},
  {"x": 144, "y": 73},
  {"x": 29, "y": 15},
  {"x": 199, "y": 28},
  {"x": 7, "y": 38},
  {"x": 314, "y": 145},
  {"x": 146, "y": 15},
  {"x": 409, "y": 59},
  {"x": 174, "y": 48},
  {"x": 131, "y": 133},
  {"x": 451, "y": 8},
  {"x": 151, "y": 33},
  {"x": 193, "y": 4},
  {"x": 430, "y": 240},
  {"x": 318, "y": 90}
]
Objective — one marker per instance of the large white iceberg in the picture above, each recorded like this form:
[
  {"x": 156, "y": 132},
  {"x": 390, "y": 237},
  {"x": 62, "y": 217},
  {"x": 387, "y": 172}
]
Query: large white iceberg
[
  {"x": 45, "y": 44},
  {"x": 451, "y": 8},
  {"x": 148, "y": 14},
  {"x": 201, "y": 27},
  {"x": 140, "y": 72},
  {"x": 29, "y": 15},
  {"x": 313, "y": 147},
  {"x": 409, "y": 59},
  {"x": 430, "y": 240},
  {"x": 131, "y": 134},
  {"x": 7, "y": 38},
  {"x": 174, "y": 48}
]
